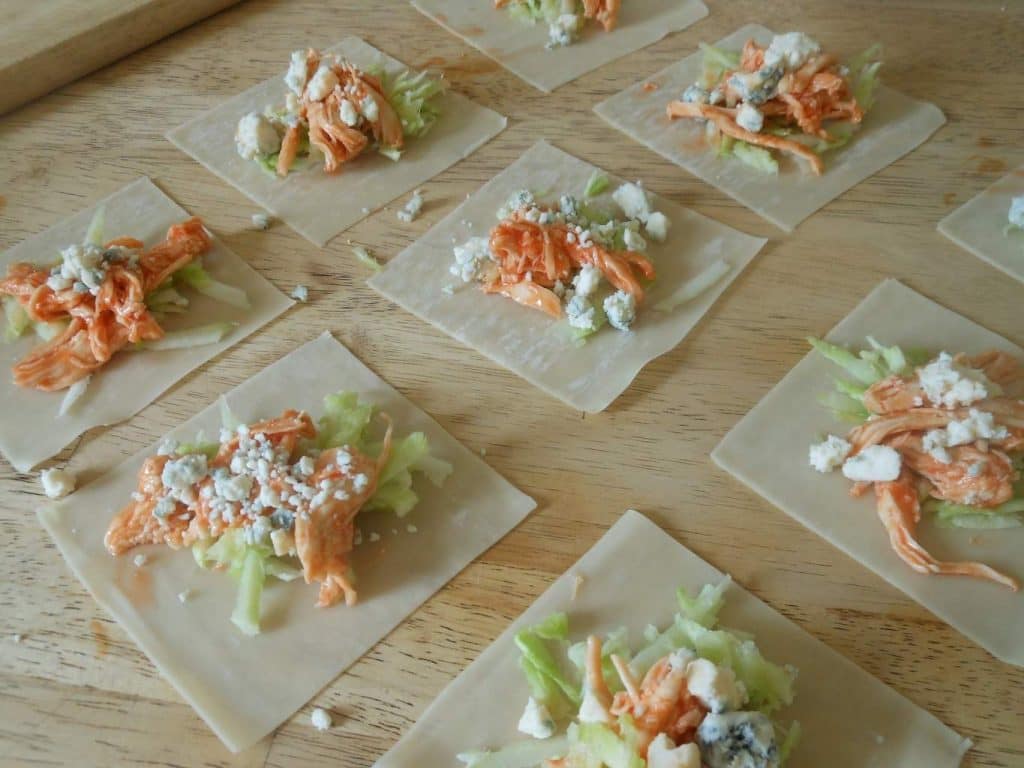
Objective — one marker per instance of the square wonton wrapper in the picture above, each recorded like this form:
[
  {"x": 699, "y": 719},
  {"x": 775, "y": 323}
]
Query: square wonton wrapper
[
  {"x": 768, "y": 448},
  {"x": 870, "y": 724},
  {"x": 894, "y": 126},
  {"x": 244, "y": 687},
  {"x": 520, "y": 47},
  {"x": 318, "y": 205},
  {"x": 979, "y": 225},
  {"x": 587, "y": 377},
  {"x": 132, "y": 380}
]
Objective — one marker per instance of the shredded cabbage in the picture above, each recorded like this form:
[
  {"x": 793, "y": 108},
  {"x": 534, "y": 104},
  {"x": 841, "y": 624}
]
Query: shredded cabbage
[
  {"x": 527, "y": 753},
  {"x": 864, "y": 75},
  {"x": 412, "y": 96},
  {"x": 551, "y": 683},
  {"x": 758, "y": 158},
  {"x": 363, "y": 255},
  {"x": 596, "y": 184},
  {"x": 196, "y": 277},
  {"x": 600, "y": 745},
  {"x": 695, "y": 286},
  {"x": 189, "y": 337},
  {"x": 534, "y": 11},
  {"x": 94, "y": 234},
  {"x": 716, "y": 62},
  {"x": 1009, "y": 514},
  {"x": 18, "y": 320}
]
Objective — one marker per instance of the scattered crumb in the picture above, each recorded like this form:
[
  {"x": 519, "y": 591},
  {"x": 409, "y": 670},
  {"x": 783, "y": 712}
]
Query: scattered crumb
[
  {"x": 364, "y": 255},
  {"x": 412, "y": 528},
  {"x": 483, "y": 451},
  {"x": 374, "y": 536},
  {"x": 648, "y": 87},
  {"x": 366, "y": 211},
  {"x": 879, "y": 738},
  {"x": 974, "y": 540},
  {"x": 577, "y": 582},
  {"x": 301, "y": 293},
  {"x": 412, "y": 208},
  {"x": 394, "y": 531},
  {"x": 184, "y": 597},
  {"x": 17, "y": 638},
  {"x": 261, "y": 221},
  {"x": 449, "y": 289},
  {"x": 140, "y": 560},
  {"x": 321, "y": 719},
  {"x": 57, "y": 483},
  {"x": 74, "y": 531},
  {"x": 358, "y": 538}
]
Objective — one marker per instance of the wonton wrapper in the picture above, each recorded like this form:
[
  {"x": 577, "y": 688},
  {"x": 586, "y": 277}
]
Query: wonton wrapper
[
  {"x": 768, "y": 450},
  {"x": 244, "y": 687},
  {"x": 318, "y": 205},
  {"x": 520, "y": 47},
  {"x": 532, "y": 344},
  {"x": 870, "y": 724},
  {"x": 979, "y": 225},
  {"x": 894, "y": 126},
  {"x": 31, "y": 429}
]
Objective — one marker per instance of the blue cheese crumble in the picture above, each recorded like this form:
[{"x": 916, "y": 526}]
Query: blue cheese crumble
[
  {"x": 738, "y": 740},
  {"x": 620, "y": 308}
]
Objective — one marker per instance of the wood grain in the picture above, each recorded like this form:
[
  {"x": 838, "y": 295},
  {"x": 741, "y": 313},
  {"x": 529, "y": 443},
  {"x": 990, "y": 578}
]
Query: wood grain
[
  {"x": 64, "y": 702},
  {"x": 47, "y": 43}
]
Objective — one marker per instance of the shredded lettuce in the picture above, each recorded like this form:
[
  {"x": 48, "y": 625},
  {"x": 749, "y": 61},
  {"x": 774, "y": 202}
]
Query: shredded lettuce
[
  {"x": 600, "y": 745},
  {"x": 864, "y": 75},
  {"x": 364, "y": 256},
  {"x": 716, "y": 62},
  {"x": 534, "y": 11},
  {"x": 555, "y": 685},
  {"x": 695, "y": 286},
  {"x": 412, "y": 97},
  {"x": 758, "y": 158},
  {"x": 188, "y": 338},
  {"x": 615, "y": 642},
  {"x": 1009, "y": 514},
  {"x": 195, "y": 276},
  {"x": 344, "y": 421},
  {"x": 47, "y": 331},
  {"x": 94, "y": 234},
  {"x": 703, "y": 609},
  {"x": 167, "y": 300},
  {"x": 18, "y": 320},
  {"x": 73, "y": 395},
  {"x": 840, "y": 133},
  {"x": 789, "y": 741},
  {"x": 596, "y": 184},
  {"x": 246, "y": 615}
]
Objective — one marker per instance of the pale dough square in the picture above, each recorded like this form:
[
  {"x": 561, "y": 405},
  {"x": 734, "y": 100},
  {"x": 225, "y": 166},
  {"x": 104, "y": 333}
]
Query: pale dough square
[
  {"x": 980, "y": 225},
  {"x": 894, "y": 127},
  {"x": 768, "y": 450},
  {"x": 31, "y": 429},
  {"x": 244, "y": 687},
  {"x": 868, "y": 724},
  {"x": 318, "y": 205},
  {"x": 520, "y": 47},
  {"x": 587, "y": 377}
]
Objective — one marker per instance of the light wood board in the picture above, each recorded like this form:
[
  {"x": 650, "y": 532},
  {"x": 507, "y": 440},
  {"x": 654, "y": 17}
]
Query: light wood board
[{"x": 76, "y": 691}]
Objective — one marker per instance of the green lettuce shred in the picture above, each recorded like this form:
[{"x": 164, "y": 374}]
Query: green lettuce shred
[
  {"x": 526, "y": 753},
  {"x": 551, "y": 683},
  {"x": 412, "y": 97},
  {"x": 864, "y": 75},
  {"x": 196, "y": 277},
  {"x": 599, "y": 745},
  {"x": 534, "y": 11},
  {"x": 18, "y": 320},
  {"x": 716, "y": 61},
  {"x": 1009, "y": 514},
  {"x": 758, "y": 158},
  {"x": 94, "y": 234},
  {"x": 596, "y": 184}
]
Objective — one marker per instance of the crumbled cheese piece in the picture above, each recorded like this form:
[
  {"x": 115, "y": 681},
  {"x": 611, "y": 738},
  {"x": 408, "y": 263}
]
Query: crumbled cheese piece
[
  {"x": 1016, "y": 214},
  {"x": 369, "y": 108},
  {"x": 681, "y": 658},
  {"x": 656, "y": 226},
  {"x": 591, "y": 710},
  {"x": 182, "y": 473},
  {"x": 374, "y": 536},
  {"x": 716, "y": 96},
  {"x": 662, "y": 753},
  {"x": 256, "y": 136},
  {"x": 140, "y": 560},
  {"x": 790, "y": 50},
  {"x": 696, "y": 95},
  {"x": 563, "y": 30},
  {"x": 714, "y": 686},
  {"x": 347, "y": 112},
  {"x": 948, "y": 384},
  {"x": 412, "y": 208},
  {"x": 829, "y": 454},
  {"x": 84, "y": 267},
  {"x": 749, "y": 118},
  {"x": 17, "y": 637},
  {"x": 580, "y": 313},
  {"x": 186, "y": 595},
  {"x": 261, "y": 221},
  {"x": 470, "y": 257},
  {"x": 737, "y": 739},
  {"x": 756, "y": 87},
  {"x": 523, "y": 198},
  {"x": 633, "y": 240},
  {"x": 168, "y": 447},
  {"x": 57, "y": 483},
  {"x": 321, "y": 719},
  {"x": 295, "y": 78},
  {"x": 322, "y": 83},
  {"x": 874, "y": 464},
  {"x": 536, "y": 721},
  {"x": 412, "y": 528},
  {"x": 577, "y": 583},
  {"x": 978, "y": 425},
  {"x": 586, "y": 281},
  {"x": 620, "y": 308},
  {"x": 301, "y": 293},
  {"x": 633, "y": 201},
  {"x": 164, "y": 508}
]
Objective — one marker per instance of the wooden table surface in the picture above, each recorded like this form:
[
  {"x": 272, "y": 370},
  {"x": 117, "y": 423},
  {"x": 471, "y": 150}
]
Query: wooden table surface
[{"x": 77, "y": 691}]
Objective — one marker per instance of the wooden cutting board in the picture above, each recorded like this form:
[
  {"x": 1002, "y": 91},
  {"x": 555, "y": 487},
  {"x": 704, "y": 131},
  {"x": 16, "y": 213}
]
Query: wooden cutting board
[{"x": 47, "y": 43}]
